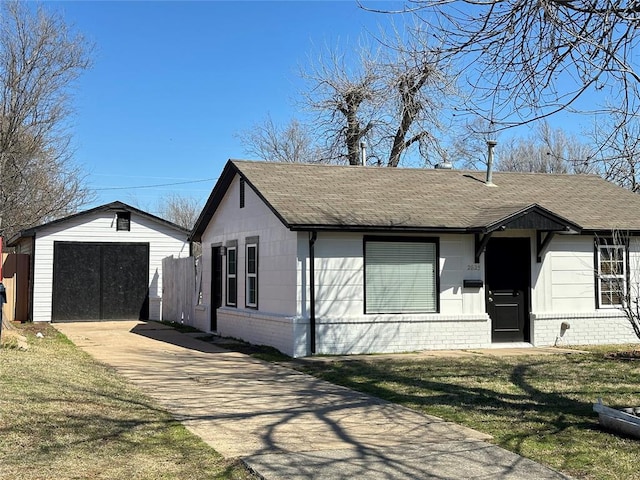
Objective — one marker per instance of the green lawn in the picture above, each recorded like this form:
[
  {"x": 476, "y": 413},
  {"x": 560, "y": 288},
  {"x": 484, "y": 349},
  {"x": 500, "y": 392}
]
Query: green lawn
[
  {"x": 64, "y": 416},
  {"x": 537, "y": 406}
]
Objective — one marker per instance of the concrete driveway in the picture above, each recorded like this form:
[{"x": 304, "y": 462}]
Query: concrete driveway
[{"x": 287, "y": 425}]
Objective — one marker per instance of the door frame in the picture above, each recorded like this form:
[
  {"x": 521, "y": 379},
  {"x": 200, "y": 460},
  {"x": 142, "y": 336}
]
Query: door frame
[
  {"x": 216, "y": 285},
  {"x": 526, "y": 285}
]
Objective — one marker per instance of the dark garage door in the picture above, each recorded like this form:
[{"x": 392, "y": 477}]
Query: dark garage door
[{"x": 100, "y": 281}]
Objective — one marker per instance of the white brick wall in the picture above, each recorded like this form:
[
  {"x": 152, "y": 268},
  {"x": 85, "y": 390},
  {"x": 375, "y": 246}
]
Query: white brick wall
[
  {"x": 370, "y": 335},
  {"x": 402, "y": 334},
  {"x": 592, "y": 328},
  {"x": 287, "y": 334}
]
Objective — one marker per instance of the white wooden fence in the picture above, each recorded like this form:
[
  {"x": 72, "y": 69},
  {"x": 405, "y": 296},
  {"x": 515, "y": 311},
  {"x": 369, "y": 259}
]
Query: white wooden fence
[{"x": 179, "y": 293}]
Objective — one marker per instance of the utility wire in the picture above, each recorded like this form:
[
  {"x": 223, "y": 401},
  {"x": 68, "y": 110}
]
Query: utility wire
[{"x": 154, "y": 186}]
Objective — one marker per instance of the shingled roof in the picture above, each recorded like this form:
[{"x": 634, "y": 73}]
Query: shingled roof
[{"x": 308, "y": 196}]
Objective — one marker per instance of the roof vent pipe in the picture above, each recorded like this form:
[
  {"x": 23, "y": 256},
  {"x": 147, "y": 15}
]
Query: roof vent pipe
[
  {"x": 490, "y": 145},
  {"x": 363, "y": 153}
]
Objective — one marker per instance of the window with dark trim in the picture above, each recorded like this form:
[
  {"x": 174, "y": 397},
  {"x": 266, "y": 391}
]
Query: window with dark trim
[
  {"x": 242, "y": 193},
  {"x": 401, "y": 275},
  {"x": 251, "y": 272},
  {"x": 123, "y": 221},
  {"x": 232, "y": 276},
  {"x": 611, "y": 272}
]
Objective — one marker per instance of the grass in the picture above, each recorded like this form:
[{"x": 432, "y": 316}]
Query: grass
[
  {"x": 65, "y": 416},
  {"x": 537, "y": 406}
]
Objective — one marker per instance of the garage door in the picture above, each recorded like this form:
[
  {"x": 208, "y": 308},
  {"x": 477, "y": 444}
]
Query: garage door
[{"x": 100, "y": 281}]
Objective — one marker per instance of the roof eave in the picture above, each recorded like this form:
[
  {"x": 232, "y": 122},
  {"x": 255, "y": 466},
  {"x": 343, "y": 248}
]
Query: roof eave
[
  {"x": 609, "y": 231},
  {"x": 113, "y": 206},
  {"x": 217, "y": 194},
  {"x": 567, "y": 225},
  {"x": 212, "y": 203},
  {"x": 15, "y": 239},
  {"x": 308, "y": 227}
]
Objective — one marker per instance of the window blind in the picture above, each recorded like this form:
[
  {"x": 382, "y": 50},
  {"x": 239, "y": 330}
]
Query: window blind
[{"x": 400, "y": 277}]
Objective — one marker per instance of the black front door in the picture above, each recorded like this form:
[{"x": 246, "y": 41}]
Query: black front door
[
  {"x": 216, "y": 286},
  {"x": 507, "y": 267}
]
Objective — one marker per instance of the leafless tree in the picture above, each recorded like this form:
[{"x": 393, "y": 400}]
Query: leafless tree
[
  {"x": 548, "y": 150},
  {"x": 468, "y": 148},
  {"x": 182, "y": 211},
  {"x": 388, "y": 97},
  {"x": 40, "y": 59},
  {"x": 617, "y": 158},
  {"x": 292, "y": 143},
  {"x": 631, "y": 305},
  {"x": 418, "y": 83},
  {"x": 525, "y": 60},
  {"x": 346, "y": 95}
]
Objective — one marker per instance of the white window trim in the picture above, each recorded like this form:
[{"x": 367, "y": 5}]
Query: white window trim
[
  {"x": 601, "y": 276},
  {"x": 233, "y": 276},
  {"x": 249, "y": 275}
]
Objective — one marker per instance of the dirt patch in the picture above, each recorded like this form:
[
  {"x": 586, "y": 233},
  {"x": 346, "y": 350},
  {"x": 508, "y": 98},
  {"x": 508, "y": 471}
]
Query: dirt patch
[{"x": 626, "y": 355}]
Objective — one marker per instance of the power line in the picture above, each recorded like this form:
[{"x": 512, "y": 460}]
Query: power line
[{"x": 154, "y": 186}]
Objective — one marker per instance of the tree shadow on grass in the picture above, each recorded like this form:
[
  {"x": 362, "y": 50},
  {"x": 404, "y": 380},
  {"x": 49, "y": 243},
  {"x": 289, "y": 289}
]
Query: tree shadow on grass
[{"x": 461, "y": 395}]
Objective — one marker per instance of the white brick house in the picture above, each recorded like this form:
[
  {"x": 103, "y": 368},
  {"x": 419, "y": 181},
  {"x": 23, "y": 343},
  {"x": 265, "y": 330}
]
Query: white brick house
[
  {"x": 316, "y": 259},
  {"x": 101, "y": 264}
]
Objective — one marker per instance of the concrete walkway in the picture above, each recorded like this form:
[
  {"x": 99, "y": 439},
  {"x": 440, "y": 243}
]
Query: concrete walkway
[{"x": 288, "y": 425}]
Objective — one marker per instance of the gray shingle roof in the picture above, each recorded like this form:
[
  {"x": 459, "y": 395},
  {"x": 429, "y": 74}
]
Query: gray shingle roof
[
  {"x": 353, "y": 197},
  {"x": 369, "y": 196}
]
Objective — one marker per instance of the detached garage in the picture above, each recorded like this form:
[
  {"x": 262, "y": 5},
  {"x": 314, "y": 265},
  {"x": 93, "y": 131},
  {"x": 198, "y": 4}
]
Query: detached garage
[{"x": 101, "y": 264}]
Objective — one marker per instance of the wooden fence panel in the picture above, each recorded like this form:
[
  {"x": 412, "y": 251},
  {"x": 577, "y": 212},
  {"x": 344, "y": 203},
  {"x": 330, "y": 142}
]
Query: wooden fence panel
[
  {"x": 178, "y": 290},
  {"x": 15, "y": 270}
]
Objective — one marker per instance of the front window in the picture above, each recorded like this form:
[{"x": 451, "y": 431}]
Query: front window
[
  {"x": 401, "y": 276},
  {"x": 232, "y": 277},
  {"x": 252, "y": 275},
  {"x": 612, "y": 272}
]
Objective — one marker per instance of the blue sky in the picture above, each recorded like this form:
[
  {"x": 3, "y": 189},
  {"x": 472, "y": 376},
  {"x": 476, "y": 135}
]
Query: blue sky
[{"x": 173, "y": 83}]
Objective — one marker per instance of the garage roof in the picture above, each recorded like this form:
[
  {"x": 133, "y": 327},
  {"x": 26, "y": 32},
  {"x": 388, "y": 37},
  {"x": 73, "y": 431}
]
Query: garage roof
[{"x": 109, "y": 207}]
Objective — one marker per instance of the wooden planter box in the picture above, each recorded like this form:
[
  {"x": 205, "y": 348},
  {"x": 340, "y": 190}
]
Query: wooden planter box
[{"x": 618, "y": 421}]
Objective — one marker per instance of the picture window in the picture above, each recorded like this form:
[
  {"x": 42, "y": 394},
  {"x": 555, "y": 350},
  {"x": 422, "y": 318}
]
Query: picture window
[{"x": 401, "y": 276}]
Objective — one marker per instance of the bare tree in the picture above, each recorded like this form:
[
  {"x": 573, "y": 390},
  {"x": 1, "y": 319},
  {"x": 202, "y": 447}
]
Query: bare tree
[
  {"x": 292, "y": 143},
  {"x": 468, "y": 148},
  {"x": 617, "y": 158},
  {"x": 40, "y": 59},
  {"x": 418, "y": 83},
  {"x": 548, "y": 150},
  {"x": 631, "y": 305},
  {"x": 525, "y": 60},
  {"x": 389, "y": 98},
  {"x": 346, "y": 100},
  {"x": 182, "y": 211}
]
